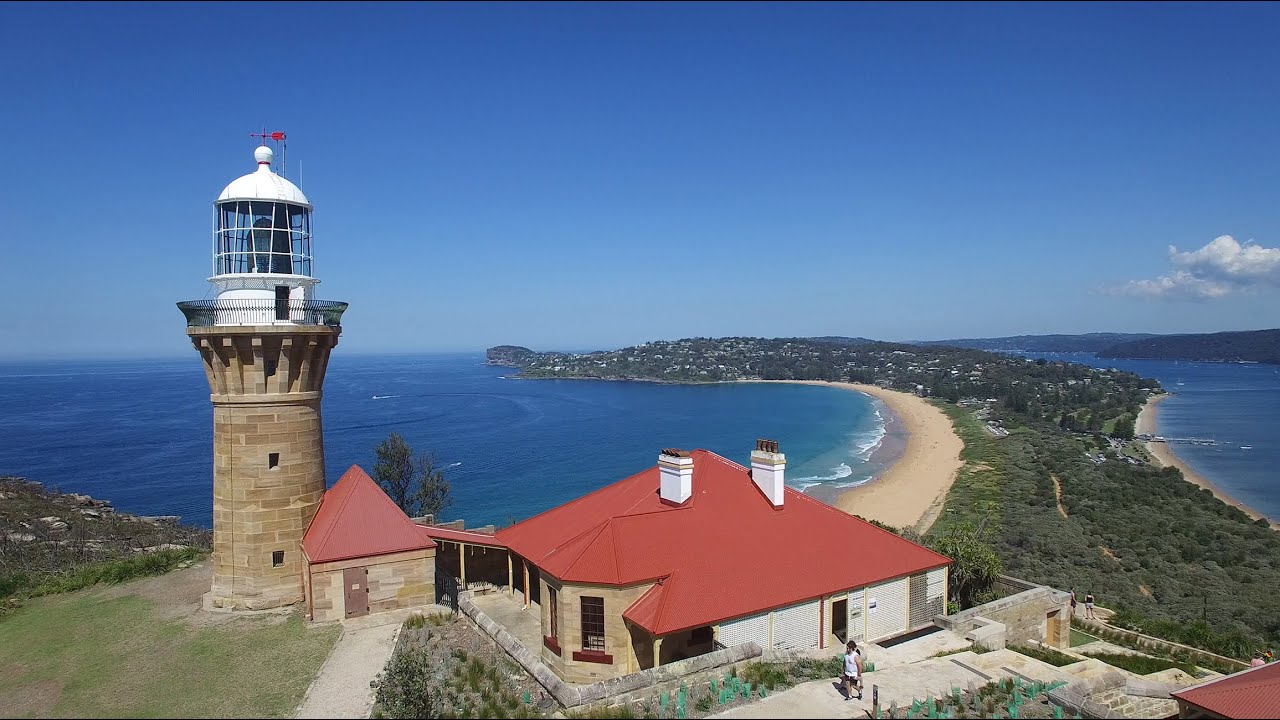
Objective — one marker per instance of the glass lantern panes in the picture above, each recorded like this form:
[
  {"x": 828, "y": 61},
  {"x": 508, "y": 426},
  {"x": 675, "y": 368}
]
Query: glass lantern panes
[{"x": 262, "y": 236}]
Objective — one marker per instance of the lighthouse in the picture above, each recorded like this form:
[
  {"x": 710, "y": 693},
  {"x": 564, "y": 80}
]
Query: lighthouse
[{"x": 265, "y": 341}]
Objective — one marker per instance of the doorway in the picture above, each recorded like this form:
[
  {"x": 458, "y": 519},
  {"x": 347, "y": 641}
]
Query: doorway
[
  {"x": 355, "y": 587},
  {"x": 840, "y": 620},
  {"x": 282, "y": 302},
  {"x": 1053, "y": 629}
]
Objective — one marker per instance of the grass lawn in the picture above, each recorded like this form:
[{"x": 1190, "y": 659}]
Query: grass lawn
[
  {"x": 1079, "y": 638},
  {"x": 141, "y": 649}
]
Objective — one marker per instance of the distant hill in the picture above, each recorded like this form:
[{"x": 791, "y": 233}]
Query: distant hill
[
  {"x": 841, "y": 340},
  {"x": 1089, "y": 342},
  {"x": 1261, "y": 346}
]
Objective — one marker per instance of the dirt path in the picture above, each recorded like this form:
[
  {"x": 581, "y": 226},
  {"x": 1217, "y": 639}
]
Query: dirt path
[{"x": 1057, "y": 492}]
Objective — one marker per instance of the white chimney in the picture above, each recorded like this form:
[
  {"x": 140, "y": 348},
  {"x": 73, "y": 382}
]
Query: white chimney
[
  {"x": 676, "y": 469},
  {"x": 768, "y": 470}
]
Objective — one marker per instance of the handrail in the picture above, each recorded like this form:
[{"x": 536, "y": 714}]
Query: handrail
[{"x": 203, "y": 313}]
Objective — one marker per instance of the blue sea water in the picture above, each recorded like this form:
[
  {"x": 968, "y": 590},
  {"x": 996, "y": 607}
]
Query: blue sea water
[
  {"x": 139, "y": 433},
  {"x": 1235, "y": 404}
]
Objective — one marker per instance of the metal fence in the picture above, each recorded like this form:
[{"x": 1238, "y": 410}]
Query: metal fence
[{"x": 201, "y": 313}]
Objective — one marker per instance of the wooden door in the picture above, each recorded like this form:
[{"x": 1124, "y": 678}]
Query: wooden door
[
  {"x": 1053, "y": 635},
  {"x": 355, "y": 583}
]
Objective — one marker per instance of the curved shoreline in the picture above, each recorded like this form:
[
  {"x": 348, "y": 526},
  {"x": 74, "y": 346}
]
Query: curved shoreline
[
  {"x": 910, "y": 492},
  {"x": 1148, "y": 422}
]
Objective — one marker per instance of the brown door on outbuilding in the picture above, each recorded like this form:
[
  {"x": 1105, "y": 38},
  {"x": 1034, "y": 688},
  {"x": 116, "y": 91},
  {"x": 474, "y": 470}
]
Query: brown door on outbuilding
[
  {"x": 1053, "y": 631},
  {"x": 355, "y": 583}
]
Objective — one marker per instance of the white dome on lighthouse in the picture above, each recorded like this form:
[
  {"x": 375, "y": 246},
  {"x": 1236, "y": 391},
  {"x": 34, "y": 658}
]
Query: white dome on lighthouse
[{"x": 263, "y": 184}]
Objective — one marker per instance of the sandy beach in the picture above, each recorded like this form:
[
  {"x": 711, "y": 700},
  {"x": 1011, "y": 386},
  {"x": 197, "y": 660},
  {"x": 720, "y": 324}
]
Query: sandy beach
[
  {"x": 1147, "y": 423},
  {"x": 910, "y": 493}
]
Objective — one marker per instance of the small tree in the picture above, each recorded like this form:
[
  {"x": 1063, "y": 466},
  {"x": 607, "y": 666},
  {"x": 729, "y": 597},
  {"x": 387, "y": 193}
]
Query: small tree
[
  {"x": 433, "y": 489},
  {"x": 976, "y": 566},
  {"x": 416, "y": 486}
]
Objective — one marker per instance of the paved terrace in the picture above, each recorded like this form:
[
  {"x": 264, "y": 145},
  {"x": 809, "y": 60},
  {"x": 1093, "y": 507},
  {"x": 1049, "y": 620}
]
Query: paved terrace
[{"x": 506, "y": 610}]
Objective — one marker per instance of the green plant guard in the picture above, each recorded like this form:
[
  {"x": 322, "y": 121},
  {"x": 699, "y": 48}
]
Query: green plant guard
[
  {"x": 746, "y": 690},
  {"x": 712, "y": 686},
  {"x": 663, "y": 701},
  {"x": 1057, "y": 711},
  {"x": 915, "y": 706},
  {"x": 763, "y": 694}
]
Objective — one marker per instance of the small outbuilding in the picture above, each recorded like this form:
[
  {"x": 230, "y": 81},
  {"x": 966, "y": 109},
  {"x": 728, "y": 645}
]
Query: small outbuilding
[{"x": 362, "y": 554}]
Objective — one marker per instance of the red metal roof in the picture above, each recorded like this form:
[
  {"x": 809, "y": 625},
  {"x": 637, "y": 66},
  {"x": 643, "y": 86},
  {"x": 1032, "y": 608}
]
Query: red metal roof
[
  {"x": 724, "y": 553},
  {"x": 357, "y": 519},
  {"x": 1252, "y": 693},
  {"x": 461, "y": 536}
]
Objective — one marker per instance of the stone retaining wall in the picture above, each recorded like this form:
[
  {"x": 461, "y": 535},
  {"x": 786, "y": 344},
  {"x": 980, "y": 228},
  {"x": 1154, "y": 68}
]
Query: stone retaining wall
[
  {"x": 1024, "y": 615},
  {"x": 1167, "y": 646}
]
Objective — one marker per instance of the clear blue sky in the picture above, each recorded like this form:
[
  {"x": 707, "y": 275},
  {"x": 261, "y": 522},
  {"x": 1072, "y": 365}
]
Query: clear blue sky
[{"x": 590, "y": 176}]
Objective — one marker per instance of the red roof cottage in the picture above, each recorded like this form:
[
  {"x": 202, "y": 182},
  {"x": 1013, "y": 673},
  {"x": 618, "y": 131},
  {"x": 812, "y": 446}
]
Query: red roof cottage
[
  {"x": 1252, "y": 693},
  {"x": 700, "y": 551}
]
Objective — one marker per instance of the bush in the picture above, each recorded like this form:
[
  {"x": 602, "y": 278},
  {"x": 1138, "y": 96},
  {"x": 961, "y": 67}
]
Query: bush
[
  {"x": 766, "y": 675},
  {"x": 1049, "y": 655},
  {"x": 404, "y": 689},
  {"x": 1141, "y": 665}
]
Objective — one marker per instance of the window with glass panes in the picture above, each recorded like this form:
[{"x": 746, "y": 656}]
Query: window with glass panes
[
  {"x": 554, "y": 607},
  {"x": 593, "y": 623}
]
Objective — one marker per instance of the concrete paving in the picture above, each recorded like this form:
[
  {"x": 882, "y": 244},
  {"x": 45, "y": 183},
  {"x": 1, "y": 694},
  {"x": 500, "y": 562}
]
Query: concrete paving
[
  {"x": 507, "y": 611},
  {"x": 341, "y": 688}
]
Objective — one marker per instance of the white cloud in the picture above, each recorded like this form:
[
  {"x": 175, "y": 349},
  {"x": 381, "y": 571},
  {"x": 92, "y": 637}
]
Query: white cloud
[{"x": 1220, "y": 268}]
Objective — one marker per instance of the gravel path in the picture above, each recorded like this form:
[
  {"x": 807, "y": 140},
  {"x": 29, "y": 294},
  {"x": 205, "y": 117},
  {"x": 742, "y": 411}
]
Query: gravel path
[{"x": 341, "y": 689}]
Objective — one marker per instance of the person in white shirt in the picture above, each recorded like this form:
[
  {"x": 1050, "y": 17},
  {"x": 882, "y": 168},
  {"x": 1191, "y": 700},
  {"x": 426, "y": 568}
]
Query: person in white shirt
[{"x": 852, "y": 670}]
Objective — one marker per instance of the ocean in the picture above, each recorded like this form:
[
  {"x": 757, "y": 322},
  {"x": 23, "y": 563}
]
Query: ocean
[
  {"x": 139, "y": 433},
  {"x": 1237, "y": 405}
]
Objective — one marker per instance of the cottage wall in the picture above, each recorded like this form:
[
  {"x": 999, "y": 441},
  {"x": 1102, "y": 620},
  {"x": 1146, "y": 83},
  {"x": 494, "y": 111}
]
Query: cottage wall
[
  {"x": 619, "y": 655},
  {"x": 398, "y": 580}
]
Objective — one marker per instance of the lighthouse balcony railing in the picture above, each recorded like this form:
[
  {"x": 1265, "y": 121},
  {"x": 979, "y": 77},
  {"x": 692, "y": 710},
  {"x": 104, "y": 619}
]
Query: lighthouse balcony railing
[{"x": 203, "y": 313}]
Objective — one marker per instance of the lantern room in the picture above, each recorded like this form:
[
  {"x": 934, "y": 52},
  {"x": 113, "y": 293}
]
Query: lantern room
[
  {"x": 262, "y": 266},
  {"x": 262, "y": 227}
]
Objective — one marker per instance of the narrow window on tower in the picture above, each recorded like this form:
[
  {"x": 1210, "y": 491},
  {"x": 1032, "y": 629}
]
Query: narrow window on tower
[
  {"x": 271, "y": 368},
  {"x": 277, "y": 558},
  {"x": 273, "y": 461}
]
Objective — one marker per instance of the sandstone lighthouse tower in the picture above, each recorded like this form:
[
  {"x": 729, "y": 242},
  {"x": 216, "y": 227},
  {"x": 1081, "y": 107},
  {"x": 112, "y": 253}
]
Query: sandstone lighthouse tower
[{"x": 265, "y": 342}]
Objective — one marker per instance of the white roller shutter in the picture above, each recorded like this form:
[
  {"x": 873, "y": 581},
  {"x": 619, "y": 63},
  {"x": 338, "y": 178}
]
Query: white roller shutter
[
  {"x": 857, "y": 627},
  {"x": 753, "y": 628},
  {"x": 886, "y": 609},
  {"x": 796, "y": 627},
  {"x": 922, "y": 611}
]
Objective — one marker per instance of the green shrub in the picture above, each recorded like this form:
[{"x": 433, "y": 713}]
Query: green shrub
[
  {"x": 765, "y": 675},
  {"x": 405, "y": 689},
  {"x": 1141, "y": 665},
  {"x": 1049, "y": 655}
]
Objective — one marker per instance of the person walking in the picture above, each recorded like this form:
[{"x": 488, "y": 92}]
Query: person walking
[
  {"x": 852, "y": 670},
  {"x": 1088, "y": 605},
  {"x": 1073, "y": 602}
]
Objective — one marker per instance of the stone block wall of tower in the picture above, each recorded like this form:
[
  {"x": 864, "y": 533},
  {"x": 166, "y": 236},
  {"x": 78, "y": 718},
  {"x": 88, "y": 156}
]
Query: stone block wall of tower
[{"x": 268, "y": 455}]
